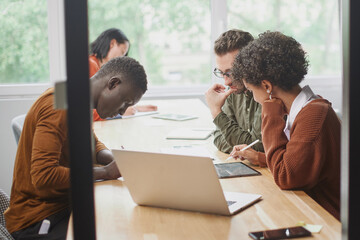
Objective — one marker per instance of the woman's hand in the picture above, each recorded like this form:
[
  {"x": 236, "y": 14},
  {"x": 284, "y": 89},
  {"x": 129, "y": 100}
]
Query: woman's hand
[
  {"x": 280, "y": 109},
  {"x": 250, "y": 154}
]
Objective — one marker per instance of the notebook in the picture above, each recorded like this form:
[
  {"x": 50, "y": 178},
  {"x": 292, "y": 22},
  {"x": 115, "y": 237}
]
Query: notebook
[
  {"x": 178, "y": 182},
  {"x": 190, "y": 133}
]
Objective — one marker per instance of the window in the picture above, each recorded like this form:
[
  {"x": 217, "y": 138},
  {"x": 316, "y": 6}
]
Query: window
[
  {"x": 315, "y": 24},
  {"x": 173, "y": 39},
  {"x": 170, "y": 38},
  {"x": 24, "y": 42}
]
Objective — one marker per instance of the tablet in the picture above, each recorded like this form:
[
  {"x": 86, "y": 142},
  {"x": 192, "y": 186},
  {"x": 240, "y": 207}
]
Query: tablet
[
  {"x": 234, "y": 169},
  {"x": 175, "y": 117}
]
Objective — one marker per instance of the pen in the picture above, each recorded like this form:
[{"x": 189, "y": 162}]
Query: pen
[
  {"x": 251, "y": 144},
  {"x": 248, "y": 146}
]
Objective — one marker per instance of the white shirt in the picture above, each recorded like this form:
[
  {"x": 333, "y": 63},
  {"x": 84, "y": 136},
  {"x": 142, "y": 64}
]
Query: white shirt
[{"x": 302, "y": 99}]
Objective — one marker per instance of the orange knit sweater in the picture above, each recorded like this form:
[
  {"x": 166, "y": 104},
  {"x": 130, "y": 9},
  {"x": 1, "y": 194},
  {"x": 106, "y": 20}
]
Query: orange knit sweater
[
  {"x": 94, "y": 66},
  {"x": 41, "y": 178},
  {"x": 310, "y": 160}
]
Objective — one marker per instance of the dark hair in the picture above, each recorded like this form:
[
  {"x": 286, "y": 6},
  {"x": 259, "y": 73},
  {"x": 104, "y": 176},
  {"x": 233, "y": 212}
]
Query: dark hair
[
  {"x": 274, "y": 57},
  {"x": 232, "y": 40},
  {"x": 126, "y": 67},
  {"x": 100, "y": 47}
]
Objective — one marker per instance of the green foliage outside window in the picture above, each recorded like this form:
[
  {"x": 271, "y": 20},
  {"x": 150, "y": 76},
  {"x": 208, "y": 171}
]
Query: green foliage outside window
[
  {"x": 24, "y": 42},
  {"x": 315, "y": 24},
  {"x": 170, "y": 38}
]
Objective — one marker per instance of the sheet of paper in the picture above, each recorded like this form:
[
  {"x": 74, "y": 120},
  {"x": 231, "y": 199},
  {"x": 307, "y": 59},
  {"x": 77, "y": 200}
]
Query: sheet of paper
[
  {"x": 139, "y": 114},
  {"x": 310, "y": 227},
  {"x": 187, "y": 150},
  {"x": 190, "y": 133}
]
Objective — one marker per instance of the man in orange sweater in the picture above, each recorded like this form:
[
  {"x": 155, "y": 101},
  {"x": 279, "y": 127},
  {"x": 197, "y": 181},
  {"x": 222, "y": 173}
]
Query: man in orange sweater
[
  {"x": 41, "y": 179},
  {"x": 302, "y": 152},
  {"x": 110, "y": 44}
]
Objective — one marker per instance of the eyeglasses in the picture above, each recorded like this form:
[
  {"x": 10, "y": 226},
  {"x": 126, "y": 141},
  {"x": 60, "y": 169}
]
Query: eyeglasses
[{"x": 221, "y": 74}]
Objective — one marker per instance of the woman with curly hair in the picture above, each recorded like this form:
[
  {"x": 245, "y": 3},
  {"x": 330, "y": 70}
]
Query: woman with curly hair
[{"x": 303, "y": 152}]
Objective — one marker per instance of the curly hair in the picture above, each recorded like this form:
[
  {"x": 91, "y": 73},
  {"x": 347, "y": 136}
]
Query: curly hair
[
  {"x": 125, "y": 67},
  {"x": 275, "y": 57},
  {"x": 231, "y": 40}
]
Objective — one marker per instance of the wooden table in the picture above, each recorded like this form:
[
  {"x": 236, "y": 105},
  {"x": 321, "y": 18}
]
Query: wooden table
[{"x": 118, "y": 217}]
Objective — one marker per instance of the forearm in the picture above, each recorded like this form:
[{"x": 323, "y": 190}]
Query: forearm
[
  {"x": 47, "y": 169},
  {"x": 55, "y": 177},
  {"x": 261, "y": 157},
  {"x": 220, "y": 142},
  {"x": 99, "y": 173},
  {"x": 295, "y": 163},
  {"x": 233, "y": 134},
  {"x": 108, "y": 172},
  {"x": 104, "y": 157}
]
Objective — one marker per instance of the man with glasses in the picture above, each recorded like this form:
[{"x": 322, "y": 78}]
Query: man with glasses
[{"x": 236, "y": 115}]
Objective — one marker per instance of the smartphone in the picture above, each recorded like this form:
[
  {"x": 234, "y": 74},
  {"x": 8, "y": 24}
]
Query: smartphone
[{"x": 282, "y": 233}]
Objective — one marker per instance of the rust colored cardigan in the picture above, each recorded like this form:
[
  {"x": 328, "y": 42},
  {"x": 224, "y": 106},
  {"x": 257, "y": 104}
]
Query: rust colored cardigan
[
  {"x": 310, "y": 160},
  {"x": 41, "y": 178}
]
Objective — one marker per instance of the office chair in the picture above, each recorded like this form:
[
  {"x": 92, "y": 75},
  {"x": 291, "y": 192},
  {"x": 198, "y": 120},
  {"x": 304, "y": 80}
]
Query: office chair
[
  {"x": 17, "y": 125},
  {"x": 4, "y": 204}
]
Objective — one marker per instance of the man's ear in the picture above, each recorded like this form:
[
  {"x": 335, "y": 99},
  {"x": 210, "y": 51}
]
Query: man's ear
[
  {"x": 113, "y": 82},
  {"x": 267, "y": 85}
]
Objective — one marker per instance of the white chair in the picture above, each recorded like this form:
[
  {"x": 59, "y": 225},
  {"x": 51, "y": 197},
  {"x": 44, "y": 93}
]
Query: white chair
[
  {"x": 17, "y": 125},
  {"x": 4, "y": 204}
]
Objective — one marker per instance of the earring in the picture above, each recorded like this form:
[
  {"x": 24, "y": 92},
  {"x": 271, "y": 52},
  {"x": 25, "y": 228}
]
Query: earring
[{"x": 268, "y": 91}]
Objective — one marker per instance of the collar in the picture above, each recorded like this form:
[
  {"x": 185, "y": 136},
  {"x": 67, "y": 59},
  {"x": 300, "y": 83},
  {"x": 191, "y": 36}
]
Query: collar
[
  {"x": 94, "y": 58},
  {"x": 248, "y": 94},
  {"x": 302, "y": 99}
]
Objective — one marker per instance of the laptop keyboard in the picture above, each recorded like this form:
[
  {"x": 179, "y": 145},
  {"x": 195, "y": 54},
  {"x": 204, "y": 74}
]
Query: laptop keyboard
[{"x": 229, "y": 203}]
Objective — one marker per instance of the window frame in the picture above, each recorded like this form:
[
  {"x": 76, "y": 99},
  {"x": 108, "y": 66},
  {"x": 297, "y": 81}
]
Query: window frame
[{"x": 218, "y": 14}]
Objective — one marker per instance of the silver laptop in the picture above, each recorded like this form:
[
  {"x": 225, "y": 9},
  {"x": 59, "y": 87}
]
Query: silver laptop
[{"x": 178, "y": 182}]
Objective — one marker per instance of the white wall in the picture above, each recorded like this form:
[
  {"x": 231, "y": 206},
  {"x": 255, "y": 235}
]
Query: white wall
[{"x": 10, "y": 108}]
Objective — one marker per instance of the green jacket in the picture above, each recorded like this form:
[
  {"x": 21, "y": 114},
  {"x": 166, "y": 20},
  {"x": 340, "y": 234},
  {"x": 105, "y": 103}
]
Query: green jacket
[{"x": 238, "y": 123}]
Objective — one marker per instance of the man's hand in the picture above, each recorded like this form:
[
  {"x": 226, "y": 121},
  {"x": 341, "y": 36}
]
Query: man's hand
[
  {"x": 108, "y": 172},
  {"x": 140, "y": 108},
  {"x": 112, "y": 171},
  {"x": 215, "y": 98}
]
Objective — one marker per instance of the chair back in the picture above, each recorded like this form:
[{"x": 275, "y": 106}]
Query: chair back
[
  {"x": 17, "y": 125},
  {"x": 4, "y": 204}
]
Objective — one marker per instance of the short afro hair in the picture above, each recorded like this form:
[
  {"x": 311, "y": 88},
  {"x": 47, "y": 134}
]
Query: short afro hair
[
  {"x": 275, "y": 57},
  {"x": 125, "y": 67},
  {"x": 232, "y": 40}
]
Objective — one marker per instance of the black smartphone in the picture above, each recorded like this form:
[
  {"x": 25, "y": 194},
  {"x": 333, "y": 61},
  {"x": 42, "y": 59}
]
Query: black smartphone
[{"x": 282, "y": 233}]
